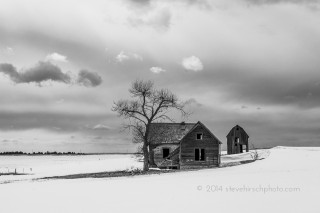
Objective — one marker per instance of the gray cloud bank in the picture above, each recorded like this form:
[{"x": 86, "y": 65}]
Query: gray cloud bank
[
  {"x": 46, "y": 71},
  {"x": 54, "y": 121},
  {"x": 246, "y": 87},
  {"x": 89, "y": 79},
  {"x": 43, "y": 71}
]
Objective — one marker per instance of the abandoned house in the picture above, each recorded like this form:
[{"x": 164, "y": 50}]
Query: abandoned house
[
  {"x": 237, "y": 140},
  {"x": 183, "y": 145}
]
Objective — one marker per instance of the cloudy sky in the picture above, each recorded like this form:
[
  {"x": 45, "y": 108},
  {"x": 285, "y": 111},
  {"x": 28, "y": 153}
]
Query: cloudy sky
[{"x": 249, "y": 62}]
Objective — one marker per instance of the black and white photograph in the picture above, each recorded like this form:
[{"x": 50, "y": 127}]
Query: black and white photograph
[{"x": 154, "y": 106}]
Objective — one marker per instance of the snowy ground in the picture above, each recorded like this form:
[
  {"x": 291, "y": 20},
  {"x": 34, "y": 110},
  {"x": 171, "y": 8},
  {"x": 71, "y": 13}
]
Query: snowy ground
[
  {"x": 288, "y": 180},
  {"x": 50, "y": 165}
]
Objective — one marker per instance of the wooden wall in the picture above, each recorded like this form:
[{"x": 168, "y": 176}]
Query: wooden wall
[
  {"x": 190, "y": 143},
  {"x": 157, "y": 152},
  {"x": 243, "y": 140}
]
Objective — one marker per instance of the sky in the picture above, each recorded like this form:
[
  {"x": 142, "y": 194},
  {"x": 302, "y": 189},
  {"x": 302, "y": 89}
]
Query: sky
[{"x": 254, "y": 63}]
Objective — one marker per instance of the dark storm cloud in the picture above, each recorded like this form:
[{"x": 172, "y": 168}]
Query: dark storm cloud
[
  {"x": 43, "y": 71},
  {"x": 89, "y": 79},
  {"x": 11, "y": 71}
]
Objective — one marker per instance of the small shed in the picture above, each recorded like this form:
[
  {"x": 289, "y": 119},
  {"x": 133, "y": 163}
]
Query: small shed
[{"x": 237, "y": 140}]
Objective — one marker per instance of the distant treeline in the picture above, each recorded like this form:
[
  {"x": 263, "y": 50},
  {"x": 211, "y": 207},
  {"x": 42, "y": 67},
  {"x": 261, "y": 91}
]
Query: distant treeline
[{"x": 40, "y": 153}]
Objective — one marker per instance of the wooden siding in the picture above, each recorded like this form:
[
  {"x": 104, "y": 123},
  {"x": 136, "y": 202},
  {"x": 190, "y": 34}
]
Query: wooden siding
[
  {"x": 158, "y": 155},
  {"x": 237, "y": 132},
  {"x": 190, "y": 143}
]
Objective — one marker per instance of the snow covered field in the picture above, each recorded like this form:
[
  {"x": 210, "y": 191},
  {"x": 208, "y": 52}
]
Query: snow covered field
[
  {"x": 50, "y": 165},
  {"x": 288, "y": 180}
]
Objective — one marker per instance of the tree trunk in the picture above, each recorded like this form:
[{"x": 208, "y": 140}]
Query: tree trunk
[
  {"x": 151, "y": 156},
  {"x": 146, "y": 157},
  {"x": 146, "y": 148}
]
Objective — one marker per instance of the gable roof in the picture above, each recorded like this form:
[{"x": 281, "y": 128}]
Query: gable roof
[
  {"x": 237, "y": 128},
  {"x": 201, "y": 124},
  {"x": 162, "y": 133},
  {"x": 168, "y": 132}
]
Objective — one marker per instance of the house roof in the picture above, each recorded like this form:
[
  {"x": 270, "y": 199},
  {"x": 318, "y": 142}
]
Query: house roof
[
  {"x": 236, "y": 128},
  {"x": 201, "y": 124},
  {"x": 169, "y": 132},
  {"x": 161, "y": 133}
]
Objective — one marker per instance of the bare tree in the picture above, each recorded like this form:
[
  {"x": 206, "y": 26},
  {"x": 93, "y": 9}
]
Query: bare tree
[{"x": 148, "y": 105}]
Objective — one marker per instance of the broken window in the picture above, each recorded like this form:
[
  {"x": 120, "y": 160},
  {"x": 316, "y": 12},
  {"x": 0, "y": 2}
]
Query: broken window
[
  {"x": 199, "y": 136},
  {"x": 165, "y": 152},
  {"x": 199, "y": 154},
  {"x": 236, "y": 141}
]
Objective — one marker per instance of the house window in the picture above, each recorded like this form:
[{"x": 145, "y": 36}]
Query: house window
[
  {"x": 199, "y": 136},
  {"x": 199, "y": 155},
  {"x": 165, "y": 152}
]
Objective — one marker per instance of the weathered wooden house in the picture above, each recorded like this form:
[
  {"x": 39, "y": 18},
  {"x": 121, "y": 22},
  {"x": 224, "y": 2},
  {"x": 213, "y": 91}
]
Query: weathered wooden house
[
  {"x": 183, "y": 145},
  {"x": 237, "y": 140}
]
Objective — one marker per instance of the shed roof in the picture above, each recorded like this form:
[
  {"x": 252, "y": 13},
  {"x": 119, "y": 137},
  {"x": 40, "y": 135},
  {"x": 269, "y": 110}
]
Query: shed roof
[{"x": 236, "y": 128}]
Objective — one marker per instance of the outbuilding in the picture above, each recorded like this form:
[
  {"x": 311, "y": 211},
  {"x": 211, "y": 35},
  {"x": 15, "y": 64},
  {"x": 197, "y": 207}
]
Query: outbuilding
[{"x": 237, "y": 140}]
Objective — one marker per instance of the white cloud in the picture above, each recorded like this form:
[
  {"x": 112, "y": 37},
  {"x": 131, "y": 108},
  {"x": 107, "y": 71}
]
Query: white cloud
[
  {"x": 157, "y": 18},
  {"x": 56, "y": 57},
  {"x": 157, "y": 70},
  {"x": 137, "y": 57},
  {"x": 101, "y": 127},
  {"x": 123, "y": 56},
  {"x": 192, "y": 63},
  {"x": 7, "y": 51}
]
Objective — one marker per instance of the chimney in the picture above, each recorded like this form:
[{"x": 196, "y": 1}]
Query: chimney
[{"x": 183, "y": 125}]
